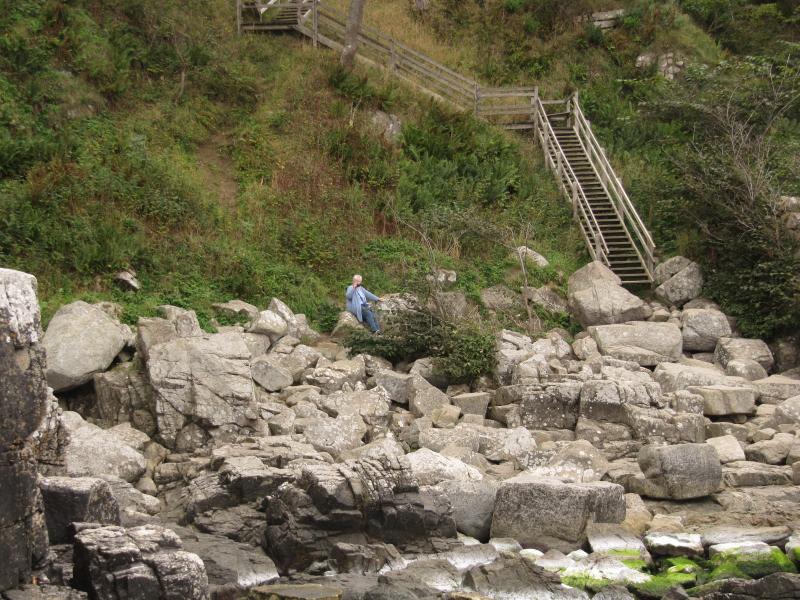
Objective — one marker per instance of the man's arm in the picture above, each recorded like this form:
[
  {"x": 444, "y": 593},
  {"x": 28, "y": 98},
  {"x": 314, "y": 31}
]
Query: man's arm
[
  {"x": 349, "y": 293},
  {"x": 370, "y": 296}
]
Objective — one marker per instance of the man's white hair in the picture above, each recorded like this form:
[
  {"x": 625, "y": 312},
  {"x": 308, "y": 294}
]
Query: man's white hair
[{"x": 357, "y": 277}]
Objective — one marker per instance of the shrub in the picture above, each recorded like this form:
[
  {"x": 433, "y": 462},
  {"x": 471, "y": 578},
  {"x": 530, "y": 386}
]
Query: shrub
[{"x": 462, "y": 352}]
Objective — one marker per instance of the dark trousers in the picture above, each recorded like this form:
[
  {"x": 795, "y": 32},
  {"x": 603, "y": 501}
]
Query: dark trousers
[{"x": 368, "y": 317}]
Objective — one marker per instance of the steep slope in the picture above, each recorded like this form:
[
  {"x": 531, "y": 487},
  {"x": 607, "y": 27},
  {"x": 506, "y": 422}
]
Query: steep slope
[{"x": 149, "y": 137}]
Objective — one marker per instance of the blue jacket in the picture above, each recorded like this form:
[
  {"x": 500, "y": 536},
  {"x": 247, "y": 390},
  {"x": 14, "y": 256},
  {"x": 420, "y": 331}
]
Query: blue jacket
[{"x": 354, "y": 302}]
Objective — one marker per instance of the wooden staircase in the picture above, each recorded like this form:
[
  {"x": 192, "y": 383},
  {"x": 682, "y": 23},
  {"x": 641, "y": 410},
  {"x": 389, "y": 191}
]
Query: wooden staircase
[
  {"x": 622, "y": 255},
  {"x": 611, "y": 227}
]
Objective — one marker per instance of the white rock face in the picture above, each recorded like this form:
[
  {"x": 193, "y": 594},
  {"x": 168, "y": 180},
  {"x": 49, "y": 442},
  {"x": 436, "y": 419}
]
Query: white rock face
[
  {"x": 681, "y": 286},
  {"x": 596, "y": 297},
  {"x": 727, "y": 447},
  {"x": 646, "y": 343},
  {"x": 270, "y": 323},
  {"x": 19, "y": 306},
  {"x": 93, "y": 452},
  {"x": 80, "y": 341},
  {"x": 526, "y": 254},
  {"x": 720, "y": 400},
  {"x": 201, "y": 379}
]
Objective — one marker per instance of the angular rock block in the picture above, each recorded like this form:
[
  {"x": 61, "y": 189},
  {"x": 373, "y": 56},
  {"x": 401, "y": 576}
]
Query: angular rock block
[
  {"x": 723, "y": 400},
  {"x": 680, "y": 472},
  {"x": 113, "y": 563},
  {"x": 376, "y": 497},
  {"x": 648, "y": 344},
  {"x": 549, "y": 514},
  {"x": 729, "y": 349},
  {"x": 70, "y": 500}
]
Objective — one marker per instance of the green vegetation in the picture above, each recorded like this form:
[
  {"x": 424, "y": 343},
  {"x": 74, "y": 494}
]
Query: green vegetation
[
  {"x": 461, "y": 352},
  {"x": 149, "y": 136},
  {"x": 752, "y": 564}
]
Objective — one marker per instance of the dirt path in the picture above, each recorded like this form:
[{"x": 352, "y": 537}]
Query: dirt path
[{"x": 217, "y": 168}]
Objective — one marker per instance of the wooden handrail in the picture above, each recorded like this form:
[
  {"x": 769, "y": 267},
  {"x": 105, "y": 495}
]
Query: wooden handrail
[
  {"x": 613, "y": 186},
  {"x": 576, "y": 191}
]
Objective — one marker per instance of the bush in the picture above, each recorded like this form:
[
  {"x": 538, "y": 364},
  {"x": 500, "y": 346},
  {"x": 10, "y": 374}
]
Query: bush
[{"x": 461, "y": 352}]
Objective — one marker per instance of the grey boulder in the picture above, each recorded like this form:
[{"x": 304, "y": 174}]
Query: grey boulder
[
  {"x": 549, "y": 514},
  {"x": 680, "y": 472},
  {"x": 646, "y": 343},
  {"x": 80, "y": 340}
]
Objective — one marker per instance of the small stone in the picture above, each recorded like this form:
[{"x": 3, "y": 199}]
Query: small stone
[{"x": 126, "y": 281}]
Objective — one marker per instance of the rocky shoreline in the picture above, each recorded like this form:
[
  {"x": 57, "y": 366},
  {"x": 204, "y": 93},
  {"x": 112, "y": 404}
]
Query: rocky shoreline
[{"x": 655, "y": 454}]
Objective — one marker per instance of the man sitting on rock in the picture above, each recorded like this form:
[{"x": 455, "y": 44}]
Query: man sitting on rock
[{"x": 358, "y": 298}]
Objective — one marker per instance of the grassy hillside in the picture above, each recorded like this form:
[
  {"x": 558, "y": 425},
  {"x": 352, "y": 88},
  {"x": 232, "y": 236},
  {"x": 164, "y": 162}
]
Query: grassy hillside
[
  {"x": 705, "y": 157},
  {"x": 145, "y": 134}
]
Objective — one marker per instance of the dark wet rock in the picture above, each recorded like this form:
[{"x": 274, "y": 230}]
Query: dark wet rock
[
  {"x": 70, "y": 500},
  {"x": 374, "y": 497},
  {"x": 113, "y": 563}
]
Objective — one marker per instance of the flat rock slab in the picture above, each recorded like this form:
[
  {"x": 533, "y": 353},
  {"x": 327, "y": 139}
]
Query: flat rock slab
[
  {"x": 728, "y": 535},
  {"x": 306, "y": 591},
  {"x": 674, "y": 544},
  {"x": 615, "y": 539},
  {"x": 745, "y": 473},
  {"x": 646, "y": 343}
]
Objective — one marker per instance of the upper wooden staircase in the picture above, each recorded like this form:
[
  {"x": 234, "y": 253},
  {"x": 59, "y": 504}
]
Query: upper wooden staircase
[{"x": 611, "y": 227}]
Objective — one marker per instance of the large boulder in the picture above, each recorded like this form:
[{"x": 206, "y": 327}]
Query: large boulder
[
  {"x": 93, "y": 451},
  {"x": 680, "y": 472},
  {"x": 430, "y": 468},
  {"x": 23, "y": 403},
  {"x": 788, "y": 412},
  {"x": 682, "y": 286},
  {"x": 729, "y": 349},
  {"x": 76, "y": 500},
  {"x": 112, "y": 563},
  {"x": 674, "y": 377},
  {"x": 549, "y": 514},
  {"x": 648, "y": 344},
  {"x": 473, "y": 505},
  {"x": 80, "y": 340},
  {"x": 585, "y": 277},
  {"x": 597, "y": 298},
  {"x": 702, "y": 328},
  {"x": 543, "y": 407},
  {"x": 376, "y": 496},
  {"x": 204, "y": 380}
]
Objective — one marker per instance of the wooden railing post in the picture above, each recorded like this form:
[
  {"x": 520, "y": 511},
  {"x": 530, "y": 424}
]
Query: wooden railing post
[
  {"x": 299, "y": 12},
  {"x": 239, "y": 17},
  {"x": 315, "y": 20},
  {"x": 575, "y": 200}
]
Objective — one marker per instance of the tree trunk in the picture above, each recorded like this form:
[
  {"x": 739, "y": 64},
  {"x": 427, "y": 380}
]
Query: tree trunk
[{"x": 354, "y": 17}]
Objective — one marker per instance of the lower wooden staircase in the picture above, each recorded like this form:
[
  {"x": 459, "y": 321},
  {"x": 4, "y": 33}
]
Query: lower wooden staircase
[
  {"x": 622, "y": 255},
  {"x": 611, "y": 227}
]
